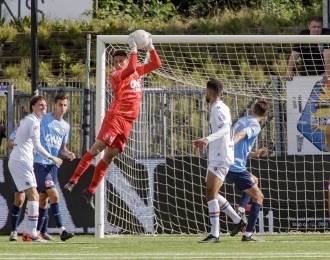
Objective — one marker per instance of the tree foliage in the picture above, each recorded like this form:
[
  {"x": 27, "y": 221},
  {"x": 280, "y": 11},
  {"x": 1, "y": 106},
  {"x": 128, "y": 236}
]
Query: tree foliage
[
  {"x": 136, "y": 9},
  {"x": 164, "y": 9}
]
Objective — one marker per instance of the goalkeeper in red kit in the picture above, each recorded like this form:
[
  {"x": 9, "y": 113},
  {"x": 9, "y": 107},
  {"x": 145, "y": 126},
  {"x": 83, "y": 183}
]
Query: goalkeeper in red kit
[{"x": 126, "y": 86}]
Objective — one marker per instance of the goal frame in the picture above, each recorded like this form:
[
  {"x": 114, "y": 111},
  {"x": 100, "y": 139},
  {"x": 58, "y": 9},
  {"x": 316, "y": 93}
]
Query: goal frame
[{"x": 101, "y": 42}]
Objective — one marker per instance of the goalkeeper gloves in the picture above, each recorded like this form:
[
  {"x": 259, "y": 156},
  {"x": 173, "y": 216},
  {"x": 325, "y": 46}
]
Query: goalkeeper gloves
[
  {"x": 131, "y": 43},
  {"x": 150, "y": 46}
]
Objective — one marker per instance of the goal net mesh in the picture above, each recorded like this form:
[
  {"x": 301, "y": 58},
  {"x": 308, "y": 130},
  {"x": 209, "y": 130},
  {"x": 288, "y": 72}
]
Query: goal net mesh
[{"x": 157, "y": 184}]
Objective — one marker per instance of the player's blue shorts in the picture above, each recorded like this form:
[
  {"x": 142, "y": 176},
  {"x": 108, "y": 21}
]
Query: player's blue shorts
[
  {"x": 46, "y": 176},
  {"x": 242, "y": 180}
]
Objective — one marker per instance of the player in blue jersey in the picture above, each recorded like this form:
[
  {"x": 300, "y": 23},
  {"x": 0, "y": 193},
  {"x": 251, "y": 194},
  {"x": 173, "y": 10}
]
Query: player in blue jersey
[
  {"x": 246, "y": 130},
  {"x": 54, "y": 134}
]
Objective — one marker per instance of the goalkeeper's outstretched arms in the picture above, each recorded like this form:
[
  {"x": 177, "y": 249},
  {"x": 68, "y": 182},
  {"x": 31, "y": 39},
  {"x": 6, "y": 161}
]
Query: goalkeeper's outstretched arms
[
  {"x": 154, "y": 62},
  {"x": 132, "y": 62}
]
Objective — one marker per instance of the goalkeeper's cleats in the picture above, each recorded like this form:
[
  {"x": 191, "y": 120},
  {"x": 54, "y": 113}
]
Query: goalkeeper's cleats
[
  {"x": 69, "y": 186},
  {"x": 238, "y": 227},
  {"x": 249, "y": 238},
  {"x": 210, "y": 239},
  {"x": 89, "y": 198},
  {"x": 13, "y": 236},
  {"x": 65, "y": 235}
]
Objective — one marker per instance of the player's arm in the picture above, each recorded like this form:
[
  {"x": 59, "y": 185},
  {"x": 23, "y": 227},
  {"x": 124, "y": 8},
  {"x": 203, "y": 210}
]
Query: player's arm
[
  {"x": 11, "y": 140},
  {"x": 223, "y": 129},
  {"x": 132, "y": 63},
  {"x": 248, "y": 132},
  {"x": 261, "y": 152},
  {"x": 10, "y": 144},
  {"x": 154, "y": 62},
  {"x": 202, "y": 142},
  {"x": 35, "y": 136},
  {"x": 291, "y": 64},
  {"x": 239, "y": 136},
  {"x": 66, "y": 153}
]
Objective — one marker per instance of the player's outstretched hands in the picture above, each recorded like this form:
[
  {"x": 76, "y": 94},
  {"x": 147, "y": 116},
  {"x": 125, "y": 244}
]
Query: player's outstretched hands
[
  {"x": 150, "y": 46},
  {"x": 131, "y": 43},
  {"x": 56, "y": 160},
  {"x": 262, "y": 152},
  {"x": 200, "y": 143}
]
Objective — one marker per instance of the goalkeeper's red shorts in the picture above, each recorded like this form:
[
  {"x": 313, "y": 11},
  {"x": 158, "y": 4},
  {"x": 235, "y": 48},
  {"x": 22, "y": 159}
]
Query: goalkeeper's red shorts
[{"x": 114, "y": 132}]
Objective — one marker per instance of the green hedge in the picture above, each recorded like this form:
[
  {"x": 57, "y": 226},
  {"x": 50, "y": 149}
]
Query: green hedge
[{"x": 58, "y": 39}]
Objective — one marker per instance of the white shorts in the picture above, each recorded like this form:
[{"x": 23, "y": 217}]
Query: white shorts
[
  {"x": 22, "y": 174},
  {"x": 220, "y": 171}
]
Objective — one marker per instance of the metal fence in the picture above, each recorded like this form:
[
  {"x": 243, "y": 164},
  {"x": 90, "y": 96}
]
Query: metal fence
[
  {"x": 169, "y": 119},
  {"x": 80, "y": 115}
]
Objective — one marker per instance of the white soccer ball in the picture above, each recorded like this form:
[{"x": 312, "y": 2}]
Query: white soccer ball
[{"x": 141, "y": 38}]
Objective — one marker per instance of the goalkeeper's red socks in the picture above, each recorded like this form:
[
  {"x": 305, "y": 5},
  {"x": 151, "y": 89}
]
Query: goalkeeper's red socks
[
  {"x": 82, "y": 166},
  {"x": 98, "y": 175}
]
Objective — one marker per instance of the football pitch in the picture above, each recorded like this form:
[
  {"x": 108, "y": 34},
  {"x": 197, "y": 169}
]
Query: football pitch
[{"x": 288, "y": 246}]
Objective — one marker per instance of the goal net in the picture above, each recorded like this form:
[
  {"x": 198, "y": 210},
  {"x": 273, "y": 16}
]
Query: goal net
[{"x": 157, "y": 184}]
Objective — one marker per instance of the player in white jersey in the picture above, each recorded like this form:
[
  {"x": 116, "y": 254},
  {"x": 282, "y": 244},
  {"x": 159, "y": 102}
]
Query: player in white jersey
[
  {"x": 220, "y": 157},
  {"x": 20, "y": 162}
]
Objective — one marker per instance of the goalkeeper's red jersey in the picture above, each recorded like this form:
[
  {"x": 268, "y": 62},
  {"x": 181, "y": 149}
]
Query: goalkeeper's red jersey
[{"x": 127, "y": 87}]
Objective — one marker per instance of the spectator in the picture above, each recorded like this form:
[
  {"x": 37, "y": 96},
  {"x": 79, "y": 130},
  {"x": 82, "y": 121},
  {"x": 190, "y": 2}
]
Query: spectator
[{"x": 315, "y": 58}]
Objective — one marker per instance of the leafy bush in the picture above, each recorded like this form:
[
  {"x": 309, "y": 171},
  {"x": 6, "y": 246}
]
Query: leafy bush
[
  {"x": 7, "y": 33},
  {"x": 77, "y": 71},
  {"x": 45, "y": 71},
  {"x": 136, "y": 9}
]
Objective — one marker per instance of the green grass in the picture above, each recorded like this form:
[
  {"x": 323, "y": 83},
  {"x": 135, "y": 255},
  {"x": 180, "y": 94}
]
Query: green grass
[{"x": 296, "y": 246}]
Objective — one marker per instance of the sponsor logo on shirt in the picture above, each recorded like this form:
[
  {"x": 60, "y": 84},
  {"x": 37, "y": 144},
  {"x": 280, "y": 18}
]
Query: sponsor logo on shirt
[
  {"x": 135, "y": 84},
  {"x": 52, "y": 140}
]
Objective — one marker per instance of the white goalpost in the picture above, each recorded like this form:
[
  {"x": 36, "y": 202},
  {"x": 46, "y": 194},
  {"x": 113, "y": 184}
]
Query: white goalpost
[{"x": 156, "y": 185}]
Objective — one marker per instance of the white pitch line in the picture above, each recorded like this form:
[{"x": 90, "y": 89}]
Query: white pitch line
[
  {"x": 268, "y": 254},
  {"x": 177, "y": 257}
]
